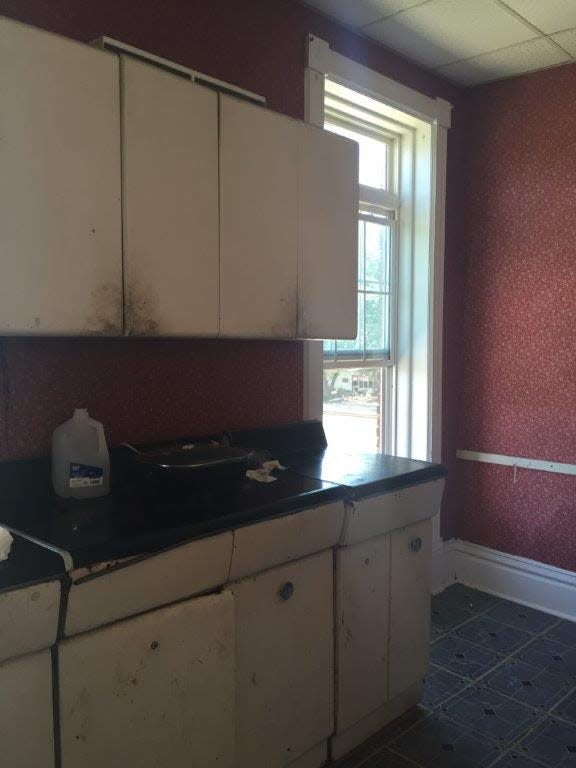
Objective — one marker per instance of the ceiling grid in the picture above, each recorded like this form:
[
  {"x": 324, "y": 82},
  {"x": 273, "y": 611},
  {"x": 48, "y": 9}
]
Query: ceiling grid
[{"x": 467, "y": 41}]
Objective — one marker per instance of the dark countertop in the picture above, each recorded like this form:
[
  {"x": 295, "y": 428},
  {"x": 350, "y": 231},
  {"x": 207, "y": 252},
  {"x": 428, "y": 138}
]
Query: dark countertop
[
  {"x": 123, "y": 524},
  {"x": 366, "y": 474},
  {"x": 129, "y": 522},
  {"x": 29, "y": 563}
]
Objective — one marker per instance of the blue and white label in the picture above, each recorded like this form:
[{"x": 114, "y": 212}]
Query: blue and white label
[{"x": 83, "y": 475}]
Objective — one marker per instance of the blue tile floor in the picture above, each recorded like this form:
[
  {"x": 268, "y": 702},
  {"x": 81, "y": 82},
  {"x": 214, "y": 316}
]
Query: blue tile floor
[{"x": 501, "y": 692}]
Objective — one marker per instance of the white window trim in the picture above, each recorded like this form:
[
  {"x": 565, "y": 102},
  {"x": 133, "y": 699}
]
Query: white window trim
[{"x": 322, "y": 61}]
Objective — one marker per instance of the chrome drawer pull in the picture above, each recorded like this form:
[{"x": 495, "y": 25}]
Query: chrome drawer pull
[
  {"x": 286, "y": 590},
  {"x": 416, "y": 544}
]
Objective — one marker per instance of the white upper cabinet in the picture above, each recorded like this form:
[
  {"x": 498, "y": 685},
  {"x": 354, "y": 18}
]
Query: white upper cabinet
[
  {"x": 258, "y": 221},
  {"x": 328, "y": 226},
  {"x": 60, "y": 218},
  {"x": 170, "y": 203}
]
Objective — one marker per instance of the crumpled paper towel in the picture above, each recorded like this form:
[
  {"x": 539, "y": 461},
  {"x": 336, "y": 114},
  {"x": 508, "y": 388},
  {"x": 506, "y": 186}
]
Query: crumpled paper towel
[
  {"x": 6, "y": 540},
  {"x": 263, "y": 475}
]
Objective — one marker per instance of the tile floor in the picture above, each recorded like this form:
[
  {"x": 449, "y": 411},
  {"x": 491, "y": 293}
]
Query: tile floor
[{"x": 501, "y": 692}]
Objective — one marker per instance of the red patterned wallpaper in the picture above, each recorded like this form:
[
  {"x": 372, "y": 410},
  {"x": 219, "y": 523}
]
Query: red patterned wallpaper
[
  {"x": 519, "y": 351},
  {"x": 151, "y": 390}
]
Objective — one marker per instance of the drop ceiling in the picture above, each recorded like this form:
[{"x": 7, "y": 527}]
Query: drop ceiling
[{"x": 467, "y": 41}]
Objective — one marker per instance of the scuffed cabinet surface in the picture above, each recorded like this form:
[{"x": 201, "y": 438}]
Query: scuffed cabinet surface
[
  {"x": 26, "y": 715},
  {"x": 28, "y": 619},
  {"x": 60, "y": 209},
  {"x": 362, "y": 601},
  {"x": 410, "y": 554},
  {"x": 258, "y": 221},
  {"x": 152, "y": 691},
  {"x": 284, "y": 662},
  {"x": 170, "y": 203}
]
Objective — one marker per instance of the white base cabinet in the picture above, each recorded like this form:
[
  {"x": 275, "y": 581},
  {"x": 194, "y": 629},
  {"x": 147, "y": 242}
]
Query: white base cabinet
[
  {"x": 151, "y": 691},
  {"x": 382, "y": 628},
  {"x": 284, "y": 662},
  {"x": 362, "y": 628},
  {"x": 410, "y": 556},
  {"x": 26, "y": 714}
]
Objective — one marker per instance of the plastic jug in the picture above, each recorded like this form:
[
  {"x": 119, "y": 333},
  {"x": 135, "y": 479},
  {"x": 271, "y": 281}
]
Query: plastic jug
[{"x": 80, "y": 460}]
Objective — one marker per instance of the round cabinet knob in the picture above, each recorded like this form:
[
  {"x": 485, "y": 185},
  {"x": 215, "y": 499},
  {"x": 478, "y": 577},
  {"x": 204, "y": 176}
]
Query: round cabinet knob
[
  {"x": 416, "y": 544},
  {"x": 286, "y": 590}
]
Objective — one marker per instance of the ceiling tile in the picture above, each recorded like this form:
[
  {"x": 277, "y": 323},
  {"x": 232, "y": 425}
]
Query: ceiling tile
[
  {"x": 548, "y": 15},
  {"x": 516, "y": 60},
  {"x": 442, "y": 31},
  {"x": 358, "y": 13},
  {"x": 567, "y": 40}
]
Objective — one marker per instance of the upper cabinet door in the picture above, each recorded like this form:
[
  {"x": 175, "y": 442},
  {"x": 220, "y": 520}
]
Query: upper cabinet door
[
  {"x": 259, "y": 221},
  {"x": 328, "y": 252},
  {"x": 60, "y": 219},
  {"x": 170, "y": 177}
]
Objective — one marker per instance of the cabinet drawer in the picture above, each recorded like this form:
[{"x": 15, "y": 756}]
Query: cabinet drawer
[
  {"x": 362, "y": 605},
  {"x": 164, "y": 578},
  {"x": 26, "y": 716},
  {"x": 389, "y": 511},
  {"x": 410, "y": 554},
  {"x": 273, "y": 542},
  {"x": 29, "y": 619},
  {"x": 284, "y": 662}
]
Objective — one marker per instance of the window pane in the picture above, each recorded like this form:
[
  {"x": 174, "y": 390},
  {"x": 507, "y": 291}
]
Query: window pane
[
  {"x": 376, "y": 313},
  {"x": 374, "y": 156},
  {"x": 361, "y": 246},
  {"x": 352, "y": 408},
  {"x": 374, "y": 283},
  {"x": 377, "y": 256}
]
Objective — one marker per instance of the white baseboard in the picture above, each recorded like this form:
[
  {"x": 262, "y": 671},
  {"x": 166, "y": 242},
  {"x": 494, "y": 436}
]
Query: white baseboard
[{"x": 524, "y": 581}]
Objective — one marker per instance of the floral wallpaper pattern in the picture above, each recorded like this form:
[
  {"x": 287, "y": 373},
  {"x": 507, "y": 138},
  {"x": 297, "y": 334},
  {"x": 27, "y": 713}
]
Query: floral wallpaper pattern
[{"x": 519, "y": 336}]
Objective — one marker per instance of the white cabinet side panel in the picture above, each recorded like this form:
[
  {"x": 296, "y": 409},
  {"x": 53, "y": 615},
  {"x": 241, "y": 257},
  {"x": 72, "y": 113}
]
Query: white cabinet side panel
[
  {"x": 170, "y": 169},
  {"x": 29, "y": 619},
  {"x": 362, "y": 610},
  {"x": 60, "y": 217},
  {"x": 410, "y": 554},
  {"x": 259, "y": 221},
  {"x": 328, "y": 224},
  {"x": 273, "y": 542},
  {"x": 158, "y": 580},
  {"x": 284, "y": 662},
  {"x": 26, "y": 715},
  {"x": 156, "y": 690}
]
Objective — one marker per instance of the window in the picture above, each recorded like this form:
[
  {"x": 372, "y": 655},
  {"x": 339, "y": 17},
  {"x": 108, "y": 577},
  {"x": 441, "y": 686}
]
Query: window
[
  {"x": 356, "y": 411},
  {"x": 382, "y": 390}
]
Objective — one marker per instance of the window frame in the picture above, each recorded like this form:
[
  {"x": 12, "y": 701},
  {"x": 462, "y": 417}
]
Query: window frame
[{"x": 421, "y": 273}]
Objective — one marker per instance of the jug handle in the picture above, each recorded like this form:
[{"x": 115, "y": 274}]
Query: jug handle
[{"x": 101, "y": 438}]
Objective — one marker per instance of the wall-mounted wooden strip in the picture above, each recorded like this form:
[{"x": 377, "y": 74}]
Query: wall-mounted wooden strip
[{"x": 518, "y": 461}]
